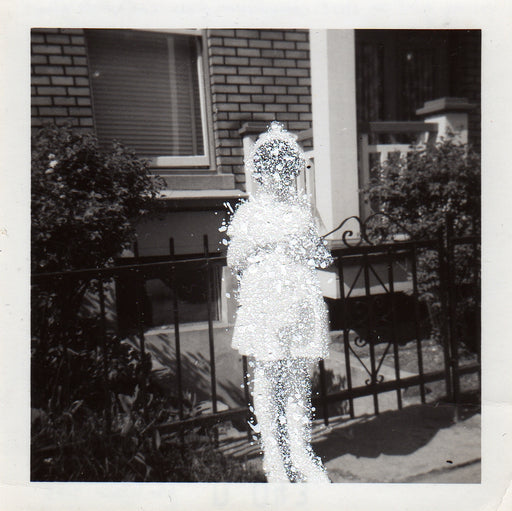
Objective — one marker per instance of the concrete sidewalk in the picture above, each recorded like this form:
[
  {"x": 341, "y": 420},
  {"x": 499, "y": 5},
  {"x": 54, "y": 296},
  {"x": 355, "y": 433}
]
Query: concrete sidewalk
[{"x": 418, "y": 444}]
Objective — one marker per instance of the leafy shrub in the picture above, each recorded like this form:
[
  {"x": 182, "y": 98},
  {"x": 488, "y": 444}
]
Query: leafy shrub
[
  {"x": 73, "y": 446},
  {"x": 429, "y": 185},
  {"x": 84, "y": 200},
  {"x": 84, "y": 205},
  {"x": 71, "y": 368},
  {"x": 429, "y": 191}
]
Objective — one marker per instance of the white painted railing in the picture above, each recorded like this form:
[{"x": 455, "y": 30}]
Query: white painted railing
[
  {"x": 423, "y": 133},
  {"x": 306, "y": 180}
]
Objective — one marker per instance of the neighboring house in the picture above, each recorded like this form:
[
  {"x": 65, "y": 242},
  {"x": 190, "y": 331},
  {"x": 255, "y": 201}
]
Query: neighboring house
[{"x": 192, "y": 100}]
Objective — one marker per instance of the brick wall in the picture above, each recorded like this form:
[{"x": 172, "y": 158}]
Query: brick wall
[
  {"x": 256, "y": 75},
  {"x": 59, "y": 78}
]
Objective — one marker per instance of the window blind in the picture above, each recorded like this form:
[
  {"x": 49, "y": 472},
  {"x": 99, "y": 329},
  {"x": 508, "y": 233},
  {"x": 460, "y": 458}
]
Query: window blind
[{"x": 145, "y": 90}]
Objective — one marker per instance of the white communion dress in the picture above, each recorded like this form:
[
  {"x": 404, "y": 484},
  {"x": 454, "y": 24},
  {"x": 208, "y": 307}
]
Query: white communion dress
[
  {"x": 282, "y": 322},
  {"x": 274, "y": 249}
]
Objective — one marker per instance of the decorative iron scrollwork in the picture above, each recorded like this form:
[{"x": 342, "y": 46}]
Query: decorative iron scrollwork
[
  {"x": 379, "y": 379},
  {"x": 364, "y": 230},
  {"x": 360, "y": 342}
]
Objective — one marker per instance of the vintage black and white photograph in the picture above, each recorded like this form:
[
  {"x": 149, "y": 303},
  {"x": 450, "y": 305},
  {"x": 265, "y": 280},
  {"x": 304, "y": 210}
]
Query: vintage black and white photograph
[{"x": 254, "y": 255}]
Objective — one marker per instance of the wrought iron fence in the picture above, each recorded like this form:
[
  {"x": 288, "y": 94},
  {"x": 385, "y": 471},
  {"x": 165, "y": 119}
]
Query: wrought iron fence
[
  {"x": 55, "y": 315},
  {"x": 404, "y": 280},
  {"x": 372, "y": 279}
]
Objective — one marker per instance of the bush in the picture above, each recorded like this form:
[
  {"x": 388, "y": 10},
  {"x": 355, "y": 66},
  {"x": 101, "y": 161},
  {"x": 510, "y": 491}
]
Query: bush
[
  {"x": 84, "y": 205},
  {"x": 70, "y": 368},
  {"x": 84, "y": 200},
  {"x": 431, "y": 190},
  {"x": 429, "y": 185},
  {"x": 74, "y": 446}
]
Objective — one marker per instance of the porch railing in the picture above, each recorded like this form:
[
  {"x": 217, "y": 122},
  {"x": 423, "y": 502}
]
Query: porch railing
[{"x": 381, "y": 141}]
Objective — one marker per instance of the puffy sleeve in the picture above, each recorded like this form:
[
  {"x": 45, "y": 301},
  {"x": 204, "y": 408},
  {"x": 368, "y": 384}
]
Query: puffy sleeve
[
  {"x": 257, "y": 228},
  {"x": 318, "y": 253},
  {"x": 241, "y": 243}
]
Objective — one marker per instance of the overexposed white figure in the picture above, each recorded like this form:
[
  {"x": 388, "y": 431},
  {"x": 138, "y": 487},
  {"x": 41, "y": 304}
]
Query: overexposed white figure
[{"x": 282, "y": 320}]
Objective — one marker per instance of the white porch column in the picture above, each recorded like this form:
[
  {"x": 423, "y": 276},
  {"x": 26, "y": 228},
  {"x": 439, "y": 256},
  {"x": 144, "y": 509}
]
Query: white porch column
[{"x": 333, "y": 88}]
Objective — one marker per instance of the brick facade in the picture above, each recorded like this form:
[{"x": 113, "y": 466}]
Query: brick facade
[
  {"x": 250, "y": 75},
  {"x": 60, "y": 78},
  {"x": 256, "y": 75}
]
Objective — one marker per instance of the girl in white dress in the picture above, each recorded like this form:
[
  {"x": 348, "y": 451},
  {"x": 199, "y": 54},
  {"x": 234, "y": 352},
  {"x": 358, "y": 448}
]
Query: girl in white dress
[{"x": 282, "y": 320}]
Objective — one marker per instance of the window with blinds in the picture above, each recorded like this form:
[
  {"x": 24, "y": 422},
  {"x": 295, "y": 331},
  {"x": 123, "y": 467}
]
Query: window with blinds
[{"x": 147, "y": 93}]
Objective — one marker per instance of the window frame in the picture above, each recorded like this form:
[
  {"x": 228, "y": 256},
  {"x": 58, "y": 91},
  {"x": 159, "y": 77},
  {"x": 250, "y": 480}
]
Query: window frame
[{"x": 204, "y": 160}]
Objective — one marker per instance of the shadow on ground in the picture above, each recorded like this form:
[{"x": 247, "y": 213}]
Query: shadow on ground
[
  {"x": 397, "y": 432},
  {"x": 196, "y": 371},
  {"x": 361, "y": 449}
]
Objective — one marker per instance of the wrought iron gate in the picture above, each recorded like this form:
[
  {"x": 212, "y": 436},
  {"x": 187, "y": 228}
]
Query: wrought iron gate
[{"x": 382, "y": 286}]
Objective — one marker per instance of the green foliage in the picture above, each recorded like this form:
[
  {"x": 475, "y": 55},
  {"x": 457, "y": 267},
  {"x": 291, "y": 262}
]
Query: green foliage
[
  {"x": 69, "y": 367},
  {"x": 84, "y": 203},
  {"x": 73, "y": 446},
  {"x": 84, "y": 200},
  {"x": 431, "y": 190},
  {"x": 431, "y": 184}
]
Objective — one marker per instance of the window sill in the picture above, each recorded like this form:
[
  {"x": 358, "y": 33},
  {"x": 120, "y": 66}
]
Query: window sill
[
  {"x": 199, "y": 326},
  {"x": 201, "y": 194},
  {"x": 179, "y": 161},
  {"x": 199, "y": 182}
]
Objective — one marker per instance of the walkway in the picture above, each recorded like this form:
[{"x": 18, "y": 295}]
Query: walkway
[{"x": 420, "y": 444}]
